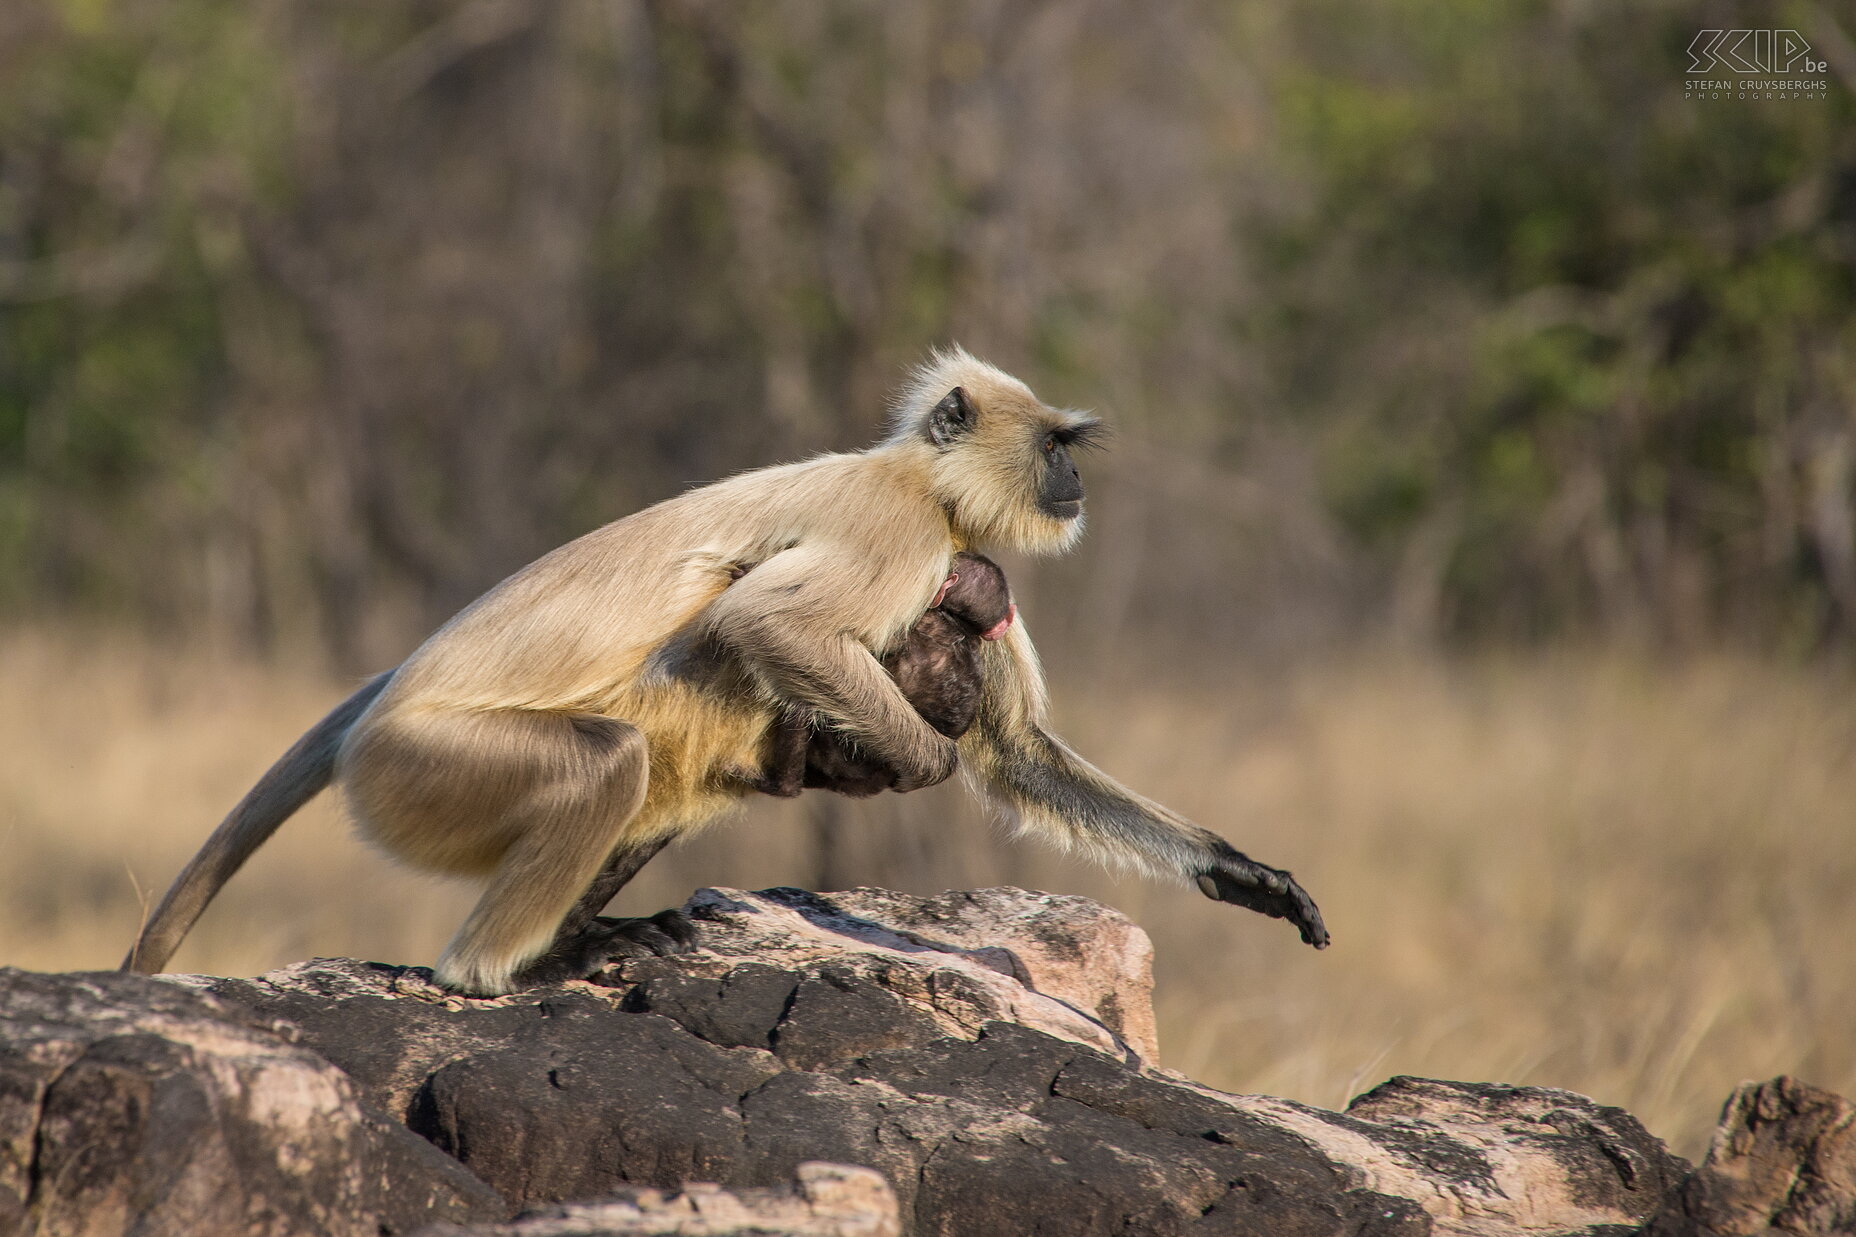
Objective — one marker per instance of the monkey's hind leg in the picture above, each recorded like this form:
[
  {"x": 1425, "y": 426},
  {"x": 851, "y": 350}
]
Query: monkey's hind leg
[
  {"x": 587, "y": 942},
  {"x": 563, "y": 830}
]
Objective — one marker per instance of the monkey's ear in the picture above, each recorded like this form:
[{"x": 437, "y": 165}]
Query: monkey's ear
[{"x": 952, "y": 418}]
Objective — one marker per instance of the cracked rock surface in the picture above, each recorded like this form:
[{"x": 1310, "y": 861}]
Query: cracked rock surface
[
  {"x": 989, "y": 1054},
  {"x": 132, "y": 1105},
  {"x": 826, "y": 1200},
  {"x": 1782, "y": 1161}
]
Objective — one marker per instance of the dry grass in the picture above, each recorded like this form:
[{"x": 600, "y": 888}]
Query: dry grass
[{"x": 1571, "y": 870}]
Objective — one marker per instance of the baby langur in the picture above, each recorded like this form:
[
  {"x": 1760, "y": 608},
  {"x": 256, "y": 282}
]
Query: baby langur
[
  {"x": 938, "y": 670},
  {"x": 568, "y": 724}
]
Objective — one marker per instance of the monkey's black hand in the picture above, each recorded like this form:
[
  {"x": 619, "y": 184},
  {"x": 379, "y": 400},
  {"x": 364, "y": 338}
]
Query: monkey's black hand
[
  {"x": 608, "y": 940},
  {"x": 1242, "y": 881}
]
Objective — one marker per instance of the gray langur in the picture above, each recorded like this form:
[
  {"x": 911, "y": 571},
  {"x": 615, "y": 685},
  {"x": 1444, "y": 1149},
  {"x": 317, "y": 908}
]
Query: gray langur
[{"x": 617, "y": 692}]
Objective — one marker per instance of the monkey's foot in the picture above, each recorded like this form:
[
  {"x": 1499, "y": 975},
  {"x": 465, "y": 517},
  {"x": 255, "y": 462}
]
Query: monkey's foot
[
  {"x": 848, "y": 777},
  {"x": 778, "y": 787},
  {"x": 947, "y": 759},
  {"x": 781, "y": 785},
  {"x": 1242, "y": 881},
  {"x": 609, "y": 940}
]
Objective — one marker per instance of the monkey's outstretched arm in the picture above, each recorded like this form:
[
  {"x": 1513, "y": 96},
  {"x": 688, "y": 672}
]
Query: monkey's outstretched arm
[
  {"x": 787, "y": 620},
  {"x": 1048, "y": 788}
]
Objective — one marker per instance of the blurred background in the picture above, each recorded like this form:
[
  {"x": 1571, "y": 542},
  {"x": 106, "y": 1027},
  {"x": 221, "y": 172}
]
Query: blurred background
[{"x": 1478, "y": 538}]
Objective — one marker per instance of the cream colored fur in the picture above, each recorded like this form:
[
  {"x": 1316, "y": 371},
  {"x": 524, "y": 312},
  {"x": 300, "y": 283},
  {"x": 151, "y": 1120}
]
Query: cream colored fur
[{"x": 556, "y": 720}]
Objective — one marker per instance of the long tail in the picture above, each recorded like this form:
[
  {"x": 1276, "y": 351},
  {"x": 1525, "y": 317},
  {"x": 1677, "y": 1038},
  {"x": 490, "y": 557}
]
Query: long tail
[{"x": 297, "y": 777}]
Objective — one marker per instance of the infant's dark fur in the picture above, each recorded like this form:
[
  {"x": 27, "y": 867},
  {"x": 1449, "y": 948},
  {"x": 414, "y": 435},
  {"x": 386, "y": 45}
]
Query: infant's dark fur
[{"x": 938, "y": 670}]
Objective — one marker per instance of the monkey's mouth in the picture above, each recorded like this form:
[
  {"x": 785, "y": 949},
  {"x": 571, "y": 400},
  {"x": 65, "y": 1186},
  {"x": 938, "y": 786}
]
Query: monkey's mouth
[{"x": 1068, "y": 509}]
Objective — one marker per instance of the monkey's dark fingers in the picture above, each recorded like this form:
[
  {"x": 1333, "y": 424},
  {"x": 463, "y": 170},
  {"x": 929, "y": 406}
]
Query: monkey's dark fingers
[
  {"x": 665, "y": 933},
  {"x": 678, "y": 927},
  {"x": 609, "y": 940},
  {"x": 1242, "y": 881}
]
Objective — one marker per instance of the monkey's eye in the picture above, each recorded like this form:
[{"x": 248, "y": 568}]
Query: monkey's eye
[{"x": 1050, "y": 444}]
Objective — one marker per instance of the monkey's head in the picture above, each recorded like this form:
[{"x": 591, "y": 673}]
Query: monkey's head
[
  {"x": 999, "y": 459},
  {"x": 977, "y": 597}
]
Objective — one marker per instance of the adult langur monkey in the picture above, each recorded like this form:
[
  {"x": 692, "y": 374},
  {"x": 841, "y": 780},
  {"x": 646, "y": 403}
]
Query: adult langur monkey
[{"x": 617, "y": 692}]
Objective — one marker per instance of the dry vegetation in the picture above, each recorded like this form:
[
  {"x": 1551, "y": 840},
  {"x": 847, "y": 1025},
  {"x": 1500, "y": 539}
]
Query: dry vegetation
[
  {"x": 1453, "y": 321},
  {"x": 1568, "y": 870}
]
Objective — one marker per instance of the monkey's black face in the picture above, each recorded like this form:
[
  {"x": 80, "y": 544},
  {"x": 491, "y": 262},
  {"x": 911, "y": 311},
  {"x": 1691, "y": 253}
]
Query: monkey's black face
[{"x": 1060, "y": 488}]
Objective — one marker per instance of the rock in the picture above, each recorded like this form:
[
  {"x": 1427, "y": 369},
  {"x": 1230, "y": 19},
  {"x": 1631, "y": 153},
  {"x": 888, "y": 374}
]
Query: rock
[
  {"x": 1072, "y": 955},
  {"x": 821, "y": 974},
  {"x": 1064, "y": 965},
  {"x": 1782, "y": 1161},
  {"x": 827, "y": 1200},
  {"x": 132, "y": 1105},
  {"x": 985, "y": 1052},
  {"x": 1485, "y": 1158},
  {"x": 972, "y": 1064}
]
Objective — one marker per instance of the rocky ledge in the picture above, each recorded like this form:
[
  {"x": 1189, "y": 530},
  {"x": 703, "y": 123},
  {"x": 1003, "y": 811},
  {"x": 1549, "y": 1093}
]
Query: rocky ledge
[{"x": 861, "y": 1064}]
